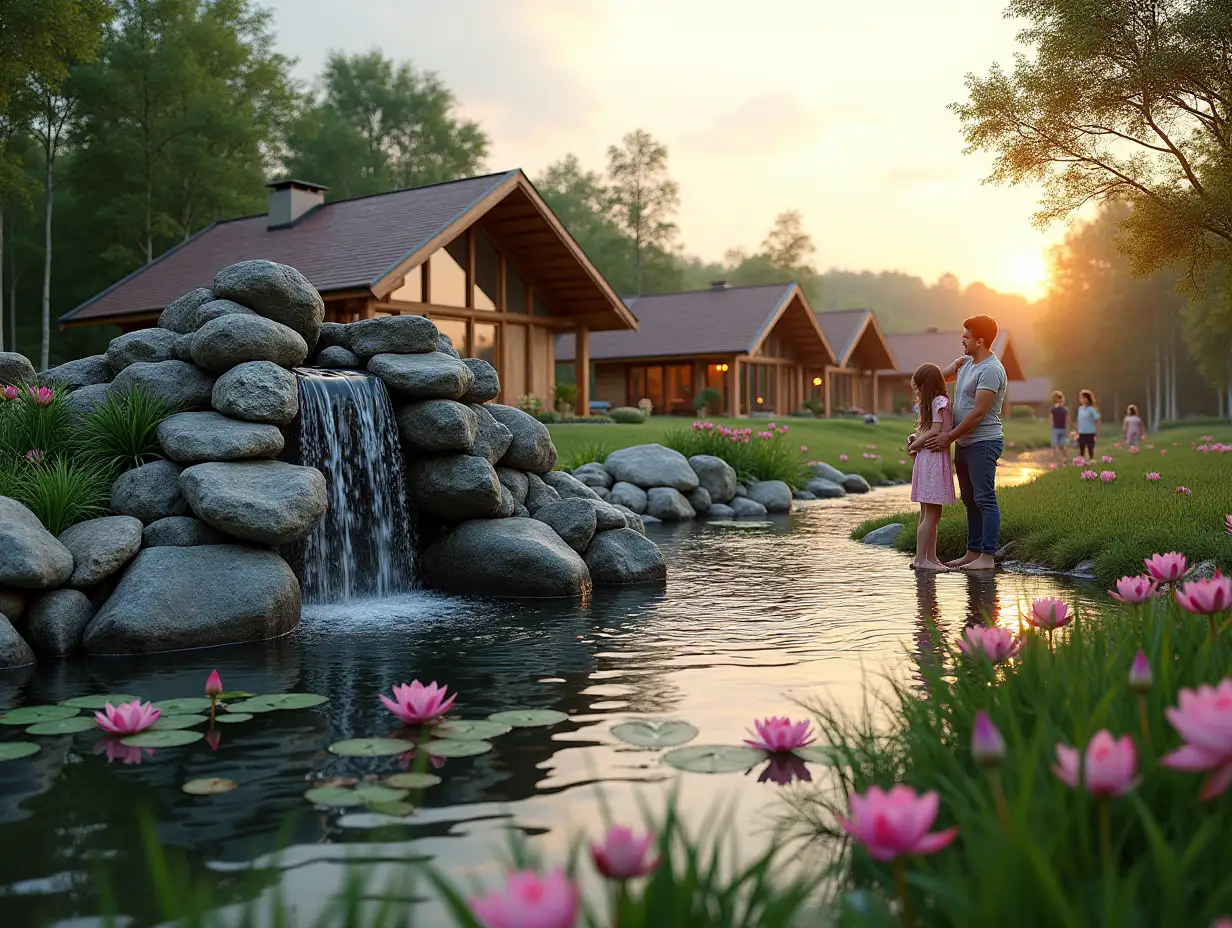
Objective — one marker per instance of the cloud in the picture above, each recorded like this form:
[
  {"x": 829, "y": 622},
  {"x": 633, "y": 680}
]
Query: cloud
[{"x": 765, "y": 124}]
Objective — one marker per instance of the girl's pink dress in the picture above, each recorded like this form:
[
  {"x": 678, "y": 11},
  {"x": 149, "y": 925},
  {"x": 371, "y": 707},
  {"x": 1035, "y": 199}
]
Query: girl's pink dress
[{"x": 932, "y": 477}]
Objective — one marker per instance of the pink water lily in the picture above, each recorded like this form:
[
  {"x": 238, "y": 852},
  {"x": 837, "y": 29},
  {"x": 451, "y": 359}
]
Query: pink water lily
[
  {"x": 10, "y": 393},
  {"x": 1134, "y": 590},
  {"x": 1167, "y": 568},
  {"x": 1228, "y": 519},
  {"x": 1153, "y": 476},
  {"x": 890, "y": 824},
  {"x": 128, "y": 718},
  {"x": 1183, "y": 491},
  {"x": 115, "y": 750},
  {"x": 417, "y": 704},
  {"x": 43, "y": 396},
  {"x": 1207, "y": 597},
  {"x": 622, "y": 855},
  {"x": 1080, "y": 461},
  {"x": 1108, "y": 768},
  {"x": 1108, "y": 476},
  {"x": 1204, "y": 719},
  {"x": 781, "y": 734},
  {"x": 213, "y": 685},
  {"x": 1140, "y": 680},
  {"x": 1106, "y": 459},
  {"x": 842, "y": 457},
  {"x": 529, "y": 900},
  {"x": 1049, "y": 613},
  {"x": 1089, "y": 475},
  {"x": 784, "y": 769},
  {"x": 987, "y": 745},
  {"x": 995, "y": 643}
]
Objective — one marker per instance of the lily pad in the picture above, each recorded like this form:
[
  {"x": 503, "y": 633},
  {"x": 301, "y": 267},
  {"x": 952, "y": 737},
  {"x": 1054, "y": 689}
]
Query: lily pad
[
  {"x": 278, "y": 701},
  {"x": 32, "y": 715},
  {"x": 528, "y": 718},
  {"x": 449, "y": 748},
  {"x": 371, "y": 793},
  {"x": 189, "y": 705},
  {"x": 14, "y": 750},
  {"x": 177, "y": 722},
  {"x": 714, "y": 758},
  {"x": 209, "y": 787},
  {"x": 650, "y": 734},
  {"x": 358, "y": 796},
  {"x": 99, "y": 702},
  {"x": 470, "y": 730},
  {"x": 235, "y": 694},
  {"x": 819, "y": 754},
  {"x": 161, "y": 739},
  {"x": 413, "y": 780},
  {"x": 370, "y": 747},
  {"x": 69, "y": 726},
  {"x": 230, "y": 718},
  {"x": 396, "y": 809}
]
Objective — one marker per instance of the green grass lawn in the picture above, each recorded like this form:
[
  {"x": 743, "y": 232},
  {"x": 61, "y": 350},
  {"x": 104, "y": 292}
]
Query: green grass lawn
[{"x": 1060, "y": 520}]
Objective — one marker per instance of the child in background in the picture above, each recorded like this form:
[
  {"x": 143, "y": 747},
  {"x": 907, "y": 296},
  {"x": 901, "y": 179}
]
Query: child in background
[
  {"x": 1060, "y": 425},
  {"x": 932, "y": 477},
  {"x": 1131, "y": 428},
  {"x": 1088, "y": 423}
]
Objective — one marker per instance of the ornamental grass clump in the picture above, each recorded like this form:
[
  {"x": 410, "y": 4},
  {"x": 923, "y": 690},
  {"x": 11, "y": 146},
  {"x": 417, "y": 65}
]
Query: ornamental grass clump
[{"x": 764, "y": 454}]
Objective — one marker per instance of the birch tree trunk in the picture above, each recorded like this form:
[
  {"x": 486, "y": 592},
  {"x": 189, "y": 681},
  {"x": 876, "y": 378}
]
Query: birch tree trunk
[
  {"x": 45, "y": 346},
  {"x": 2, "y": 277},
  {"x": 1158, "y": 388}
]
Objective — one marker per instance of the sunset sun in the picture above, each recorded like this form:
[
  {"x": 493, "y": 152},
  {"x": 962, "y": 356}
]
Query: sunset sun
[{"x": 1028, "y": 275}]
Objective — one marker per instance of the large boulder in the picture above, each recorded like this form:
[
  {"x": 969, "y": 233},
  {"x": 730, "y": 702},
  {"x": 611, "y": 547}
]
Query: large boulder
[
  {"x": 180, "y": 316},
  {"x": 196, "y": 437},
  {"x": 668, "y": 505},
  {"x": 623, "y": 556},
  {"x": 823, "y": 488},
  {"x": 515, "y": 480},
  {"x": 215, "y": 309},
  {"x": 257, "y": 391},
  {"x": 854, "y": 483},
  {"x": 492, "y": 439},
  {"x": 334, "y": 334},
  {"x": 13, "y": 602},
  {"x": 220, "y": 345},
  {"x": 84, "y": 372},
  {"x": 181, "y": 532},
  {"x": 271, "y": 502},
  {"x": 486, "y": 386},
  {"x": 775, "y": 495},
  {"x": 504, "y": 557},
  {"x": 595, "y": 476},
  {"x": 14, "y": 652},
  {"x": 100, "y": 547},
  {"x": 30, "y": 556},
  {"x": 508, "y": 505},
  {"x": 175, "y": 598},
  {"x": 15, "y": 368},
  {"x": 392, "y": 335},
  {"x": 743, "y": 506},
  {"x": 182, "y": 349},
  {"x": 651, "y": 466},
  {"x": 277, "y": 292},
  {"x": 437, "y": 425},
  {"x": 699, "y": 499},
  {"x": 538, "y": 493},
  {"x": 338, "y": 358},
  {"x": 607, "y": 516},
  {"x": 176, "y": 384},
  {"x": 57, "y": 621},
  {"x": 573, "y": 520},
  {"x": 85, "y": 400},
  {"x": 568, "y": 486},
  {"x": 532, "y": 449},
  {"x": 149, "y": 345},
  {"x": 632, "y": 519},
  {"x": 444, "y": 344},
  {"x": 716, "y": 475},
  {"x": 455, "y": 487},
  {"x": 423, "y": 376},
  {"x": 721, "y": 511},
  {"x": 826, "y": 472},
  {"x": 630, "y": 496},
  {"x": 150, "y": 492}
]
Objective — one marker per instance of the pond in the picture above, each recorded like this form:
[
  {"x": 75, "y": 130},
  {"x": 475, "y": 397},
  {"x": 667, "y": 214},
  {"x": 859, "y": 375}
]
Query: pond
[{"x": 752, "y": 618}]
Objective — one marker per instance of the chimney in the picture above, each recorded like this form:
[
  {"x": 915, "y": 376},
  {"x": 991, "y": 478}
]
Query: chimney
[
  {"x": 719, "y": 285},
  {"x": 291, "y": 199}
]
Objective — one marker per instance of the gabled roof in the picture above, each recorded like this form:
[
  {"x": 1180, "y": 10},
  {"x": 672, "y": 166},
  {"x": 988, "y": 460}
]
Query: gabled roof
[
  {"x": 855, "y": 332},
  {"x": 941, "y": 348},
  {"x": 715, "y": 321}
]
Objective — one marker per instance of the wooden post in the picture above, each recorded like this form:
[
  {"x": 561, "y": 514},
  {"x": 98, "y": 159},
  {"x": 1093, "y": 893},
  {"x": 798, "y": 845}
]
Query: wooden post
[
  {"x": 427, "y": 280},
  {"x": 470, "y": 268},
  {"x": 734, "y": 393},
  {"x": 581, "y": 368},
  {"x": 528, "y": 360},
  {"x": 876, "y": 392},
  {"x": 828, "y": 383},
  {"x": 501, "y": 273}
]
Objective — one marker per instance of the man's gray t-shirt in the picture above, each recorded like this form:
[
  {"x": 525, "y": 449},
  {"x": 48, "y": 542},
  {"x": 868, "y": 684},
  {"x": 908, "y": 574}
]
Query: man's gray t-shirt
[{"x": 987, "y": 375}]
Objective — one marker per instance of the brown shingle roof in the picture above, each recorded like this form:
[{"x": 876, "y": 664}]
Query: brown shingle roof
[
  {"x": 940, "y": 348},
  {"x": 1032, "y": 390},
  {"x": 842, "y": 327}
]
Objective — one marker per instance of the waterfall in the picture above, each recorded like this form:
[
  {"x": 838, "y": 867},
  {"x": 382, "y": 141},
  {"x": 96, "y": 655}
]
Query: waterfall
[{"x": 363, "y": 547}]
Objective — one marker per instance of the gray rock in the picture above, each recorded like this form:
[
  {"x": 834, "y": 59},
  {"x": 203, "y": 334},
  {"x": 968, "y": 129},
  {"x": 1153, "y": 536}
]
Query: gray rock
[
  {"x": 30, "y": 556},
  {"x": 803, "y": 495},
  {"x": 741, "y": 490},
  {"x": 648, "y": 519},
  {"x": 12, "y": 603},
  {"x": 15, "y": 368},
  {"x": 885, "y": 536},
  {"x": 423, "y": 376},
  {"x": 699, "y": 499},
  {"x": 337, "y": 357},
  {"x": 222, "y": 344},
  {"x": 721, "y": 511},
  {"x": 653, "y": 465},
  {"x": 775, "y": 495},
  {"x": 182, "y": 349},
  {"x": 1084, "y": 571},
  {"x": 716, "y": 475},
  {"x": 177, "y": 384},
  {"x": 444, "y": 344},
  {"x": 196, "y": 437},
  {"x": 743, "y": 506},
  {"x": 486, "y": 386},
  {"x": 607, "y": 516},
  {"x": 181, "y": 532},
  {"x": 437, "y": 425},
  {"x": 603, "y": 494},
  {"x": 1005, "y": 551},
  {"x": 277, "y": 292},
  {"x": 334, "y": 334},
  {"x": 100, "y": 547},
  {"x": 270, "y": 502},
  {"x": 14, "y": 652},
  {"x": 175, "y": 598},
  {"x": 455, "y": 487},
  {"x": 520, "y": 512},
  {"x": 623, "y": 556},
  {"x": 823, "y": 488},
  {"x": 633, "y": 520},
  {"x": 149, "y": 345},
  {"x": 568, "y": 486},
  {"x": 854, "y": 483},
  {"x": 508, "y": 505},
  {"x": 180, "y": 316},
  {"x": 492, "y": 439},
  {"x": 150, "y": 492},
  {"x": 258, "y": 391},
  {"x": 595, "y": 476},
  {"x": 84, "y": 372},
  {"x": 505, "y": 557},
  {"x": 57, "y": 621},
  {"x": 629, "y": 496},
  {"x": 538, "y": 493},
  {"x": 574, "y": 520},
  {"x": 532, "y": 449},
  {"x": 216, "y": 309},
  {"x": 392, "y": 335},
  {"x": 668, "y": 505},
  {"x": 85, "y": 400},
  {"x": 826, "y": 472},
  {"x": 515, "y": 480}
]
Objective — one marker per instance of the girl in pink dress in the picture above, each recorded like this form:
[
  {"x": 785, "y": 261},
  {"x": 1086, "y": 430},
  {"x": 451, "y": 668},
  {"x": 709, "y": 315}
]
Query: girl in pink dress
[{"x": 932, "y": 478}]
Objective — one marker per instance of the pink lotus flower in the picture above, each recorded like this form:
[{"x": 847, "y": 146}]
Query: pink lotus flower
[
  {"x": 1107, "y": 476},
  {"x": 1108, "y": 767},
  {"x": 43, "y": 396},
  {"x": 1163, "y": 451},
  {"x": 804, "y": 449},
  {"x": 1183, "y": 491},
  {"x": 128, "y": 718},
  {"x": 213, "y": 686},
  {"x": 842, "y": 457},
  {"x": 1080, "y": 461},
  {"x": 529, "y": 900},
  {"x": 1167, "y": 568},
  {"x": 890, "y": 824},
  {"x": 1088, "y": 475},
  {"x": 1228, "y": 519},
  {"x": 417, "y": 704},
  {"x": 1134, "y": 590},
  {"x": 987, "y": 745},
  {"x": 1207, "y": 597},
  {"x": 35, "y": 456},
  {"x": 1204, "y": 720},
  {"x": 784, "y": 769},
  {"x": 115, "y": 750},
  {"x": 1153, "y": 477},
  {"x": 1106, "y": 459},
  {"x": 10, "y": 393},
  {"x": 781, "y": 734},
  {"x": 996, "y": 644},
  {"x": 1140, "y": 674},
  {"x": 1049, "y": 613},
  {"x": 622, "y": 856},
  {"x": 1133, "y": 450}
]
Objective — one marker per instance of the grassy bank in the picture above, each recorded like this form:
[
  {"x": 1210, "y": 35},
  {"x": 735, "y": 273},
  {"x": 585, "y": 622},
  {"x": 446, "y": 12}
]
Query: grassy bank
[{"x": 1060, "y": 520}]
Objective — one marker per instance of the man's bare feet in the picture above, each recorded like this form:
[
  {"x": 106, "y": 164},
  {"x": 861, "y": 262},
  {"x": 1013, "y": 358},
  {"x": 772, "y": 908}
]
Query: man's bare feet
[
  {"x": 964, "y": 560},
  {"x": 983, "y": 562}
]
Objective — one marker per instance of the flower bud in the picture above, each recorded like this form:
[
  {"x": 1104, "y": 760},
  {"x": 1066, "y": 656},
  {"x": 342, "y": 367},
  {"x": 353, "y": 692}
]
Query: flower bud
[
  {"x": 1140, "y": 675},
  {"x": 987, "y": 745}
]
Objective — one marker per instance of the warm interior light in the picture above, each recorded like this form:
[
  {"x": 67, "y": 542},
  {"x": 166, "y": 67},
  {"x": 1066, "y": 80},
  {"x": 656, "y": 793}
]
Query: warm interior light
[
  {"x": 817, "y": 381},
  {"x": 760, "y": 400}
]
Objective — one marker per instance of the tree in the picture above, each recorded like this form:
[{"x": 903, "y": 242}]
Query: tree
[
  {"x": 1207, "y": 322},
  {"x": 374, "y": 126},
  {"x": 55, "y": 109},
  {"x": 788, "y": 245},
  {"x": 644, "y": 196}
]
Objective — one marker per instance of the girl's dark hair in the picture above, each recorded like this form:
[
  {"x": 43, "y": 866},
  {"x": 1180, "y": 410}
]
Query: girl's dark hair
[
  {"x": 929, "y": 384},
  {"x": 1088, "y": 396},
  {"x": 1133, "y": 410}
]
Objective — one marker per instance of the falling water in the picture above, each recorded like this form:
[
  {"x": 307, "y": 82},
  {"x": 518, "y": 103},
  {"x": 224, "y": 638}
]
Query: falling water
[{"x": 363, "y": 547}]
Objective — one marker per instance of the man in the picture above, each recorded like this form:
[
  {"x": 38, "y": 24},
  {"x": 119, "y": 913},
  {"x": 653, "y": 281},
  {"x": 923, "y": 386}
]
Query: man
[{"x": 978, "y": 399}]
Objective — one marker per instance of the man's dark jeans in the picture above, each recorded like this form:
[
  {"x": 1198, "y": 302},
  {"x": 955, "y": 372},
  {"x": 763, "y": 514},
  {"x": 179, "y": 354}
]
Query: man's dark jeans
[{"x": 976, "y": 465}]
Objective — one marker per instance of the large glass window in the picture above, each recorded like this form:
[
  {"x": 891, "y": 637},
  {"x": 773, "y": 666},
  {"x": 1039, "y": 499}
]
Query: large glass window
[
  {"x": 448, "y": 284},
  {"x": 541, "y": 308},
  {"x": 411, "y": 290},
  {"x": 515, "y": 290},
  {"x": 637, "y": 384},
  {"x": 485, "y": 342},
  {"x": 759, "y": 381},
  {"x": 456, "y": 330},
  {"x": 486, "y": 274},
  {"x": 668, "y": 386}
]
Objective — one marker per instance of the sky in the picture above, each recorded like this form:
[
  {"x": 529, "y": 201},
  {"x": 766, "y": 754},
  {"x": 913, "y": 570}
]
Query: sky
[{"x": 835, "y": 109}]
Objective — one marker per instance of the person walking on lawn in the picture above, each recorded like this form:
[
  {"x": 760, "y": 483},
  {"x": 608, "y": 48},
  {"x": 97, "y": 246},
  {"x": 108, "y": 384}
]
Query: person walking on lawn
[{"x": 978, "y": 399}]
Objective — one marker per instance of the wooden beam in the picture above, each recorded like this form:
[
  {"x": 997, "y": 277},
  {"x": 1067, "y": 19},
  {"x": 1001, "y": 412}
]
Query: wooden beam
[
  {"x": 828, "y": 379},
  {"x": 873, "y": 404},
  {"x": 581, "y": 369},
  {"x": 479, "y": 315},
  {"x": 470, "y": 268},
  {"x": 427, "y": 281},
  {"x": 528, "y": 360},
  {"x": 734, "y": 392},
  {"x": 501, "y": 279}
]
